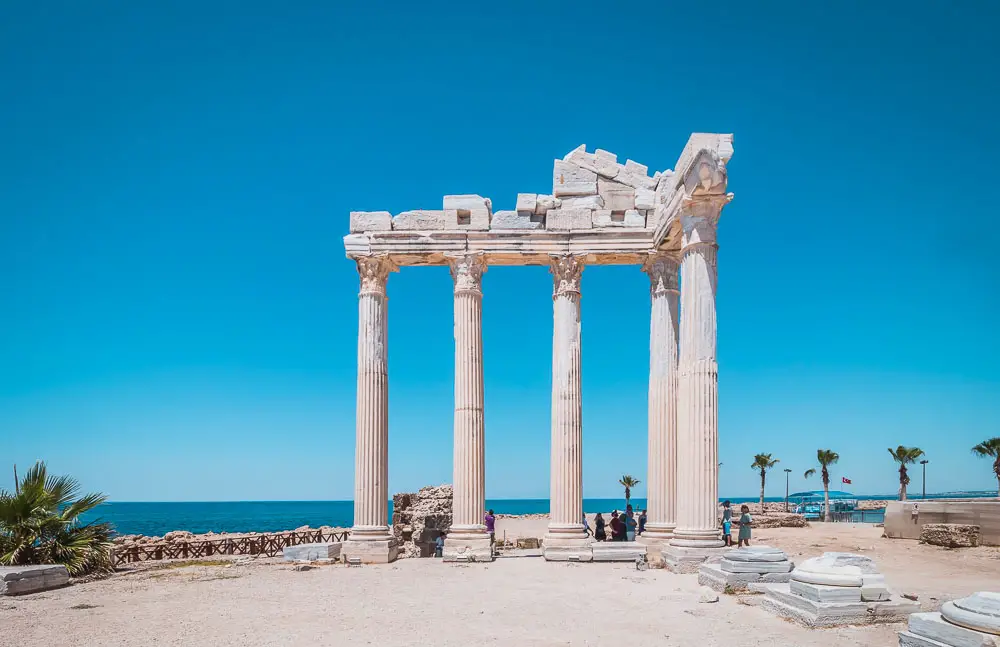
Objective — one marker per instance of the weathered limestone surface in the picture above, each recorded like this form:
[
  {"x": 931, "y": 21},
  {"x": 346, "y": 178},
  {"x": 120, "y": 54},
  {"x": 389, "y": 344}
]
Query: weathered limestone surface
[
  {"x": 362, "y": 221},
  {"x": 472, "y": 211},
  {"x": 664, "y": 292},
  {"x": 745, "y": 568},
  {"x": 951, "y": 535},
  {"x": 468, "y": 538},
  {"x": 565, "y": 534},
  {"x": 618, "y": 551},
  {"x": 21, "y": 580},
  {"x": 419, "y": 518},
  {"x": 312, "y": 552},
  {"x": 836, "y": 588},
  {"x": 517, "y": 220},
  {"x": 968, "y": 622},
  {"x": 371, "y": 467},
  {"x": 422, "y": 219},
  {"x": 566, "y": 219}
]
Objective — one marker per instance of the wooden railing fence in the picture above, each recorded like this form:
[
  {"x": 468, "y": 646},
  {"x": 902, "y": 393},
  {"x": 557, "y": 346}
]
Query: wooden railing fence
[{"x": 267, "y": 545}]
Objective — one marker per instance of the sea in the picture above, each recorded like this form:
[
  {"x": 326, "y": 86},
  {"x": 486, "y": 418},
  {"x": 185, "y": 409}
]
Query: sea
[{"x": 156, "y": 519}]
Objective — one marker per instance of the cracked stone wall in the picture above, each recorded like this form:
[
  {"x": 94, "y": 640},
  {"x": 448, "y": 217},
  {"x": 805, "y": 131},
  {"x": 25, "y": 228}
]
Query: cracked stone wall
[{"x": 418, "y": 518}]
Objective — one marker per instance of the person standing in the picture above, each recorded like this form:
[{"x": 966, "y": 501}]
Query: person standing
[
  {"x": 630, "y": 525},
  {"x": 616, "y": 526},
  {"x": 745, "y": 521},
  {"x": 642, "y": 523},
  {"x": 727, "y": 523},
  {"x": 491, "y": 521},
  {"x": 600, "y": 533}
]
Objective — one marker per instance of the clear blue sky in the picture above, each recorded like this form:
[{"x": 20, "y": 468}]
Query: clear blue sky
[{"x": 178, "y": 320}]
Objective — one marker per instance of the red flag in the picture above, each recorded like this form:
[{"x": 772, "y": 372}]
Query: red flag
[{"x": 844, "y": 479}]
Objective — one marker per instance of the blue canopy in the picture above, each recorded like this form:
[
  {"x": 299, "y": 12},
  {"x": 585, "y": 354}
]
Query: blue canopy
[{"x": 834, "y": 494}]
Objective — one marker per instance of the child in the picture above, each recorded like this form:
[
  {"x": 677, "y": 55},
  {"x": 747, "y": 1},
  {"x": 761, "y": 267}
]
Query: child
[
  {"x": 745, "y": 521},
  {"x": 727, "y": 523}
]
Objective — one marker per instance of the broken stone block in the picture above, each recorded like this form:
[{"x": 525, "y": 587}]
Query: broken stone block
[
  {"x": 424, "y": 219},
  {"x": 362, "y": 221},
  {"x": 607, "y": 163},
  {"x": 617, "y": 196},
  {"x": 584, "y": 202},
  {"x": 602, "y": 218},
  {"x": 474, "y": 211},
  {"x": 634, "y": 218},
  {"x": 517, "y": 220},
  {"x": 545, "y": 202},
  {"x": 312, "y": 552},
  {"x": 18, "y": 580},
  {"x": 950, "y": 535},
  {"x": 566, "y": 219},
  {"x": 582, "y": 158},
  {"x": 569, "y": 179},
  {"x": 526, "y": 202},
  {"x": 873, "y": 588},
  {"x": 636, "y": 167},
  {"x": 644, "y": 199}
]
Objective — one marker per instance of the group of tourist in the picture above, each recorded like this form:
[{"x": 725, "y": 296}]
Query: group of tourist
[
  {"x": 624, "y": 526},
  {"x": 727, "y": 525}
]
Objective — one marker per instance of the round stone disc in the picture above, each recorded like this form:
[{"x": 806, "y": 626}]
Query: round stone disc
[{"x": 980, "y": 611}]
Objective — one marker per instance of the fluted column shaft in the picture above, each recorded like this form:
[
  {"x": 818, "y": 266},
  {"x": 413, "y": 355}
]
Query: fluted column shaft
[
  {"x": 470, "y": 452},
  {"x": 662, "y": 473},
  {"x": 566, "y": 492},
  {"x": 698, "y": 377},
  {"x": 371, "y": 462}
]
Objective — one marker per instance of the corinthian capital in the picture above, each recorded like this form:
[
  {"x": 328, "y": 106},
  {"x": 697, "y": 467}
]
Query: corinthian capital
[
  {"x": 467, "y": 271},
  {"x": 566, "y": 271},
  {"x": 700, "y": 218},
  {"x": 662, "y": 268},
  {"x": 374, "y": 272}
]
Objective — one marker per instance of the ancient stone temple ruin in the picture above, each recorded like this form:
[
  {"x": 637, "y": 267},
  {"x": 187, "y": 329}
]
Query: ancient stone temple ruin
[{"x": 599, "y": 212}]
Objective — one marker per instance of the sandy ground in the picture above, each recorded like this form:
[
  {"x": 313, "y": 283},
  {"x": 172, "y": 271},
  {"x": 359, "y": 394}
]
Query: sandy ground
[{"x": 526, "y": 601}]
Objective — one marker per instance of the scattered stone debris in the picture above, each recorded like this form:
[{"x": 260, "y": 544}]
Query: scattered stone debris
[
  {"x": 708, "y": 595},
  {"x": 302, "y": 567},
  {"x": 910, "y": 596}
]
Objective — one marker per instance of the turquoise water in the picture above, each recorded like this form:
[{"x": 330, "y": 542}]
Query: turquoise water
[{"x": 272, "y": 516}]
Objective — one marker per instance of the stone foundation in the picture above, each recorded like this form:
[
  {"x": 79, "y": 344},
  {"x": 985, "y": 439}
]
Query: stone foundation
[
  {"x": 836, "y": 589},
  {"x": 312, "y": 552},
  {"x": 781, "y": 601},
  {"x": 679, "y": 559},
  {"x": 19, "y": 580},
  {"x": 969, "y": 622},
  {"x": 467, "y": 550},
  {"x": 556, "y": 549},
  {"x": 370, "y": 552},
  {"x": 746, "y": 568},
  {"x": 618, "y": 551}
]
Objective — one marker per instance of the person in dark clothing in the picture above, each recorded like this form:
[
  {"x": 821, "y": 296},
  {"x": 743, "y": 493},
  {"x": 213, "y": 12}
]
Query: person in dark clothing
[
  {"x": 642, "y": 522},
  {"x": 617, "y": 527},
  {"x": 600, "y": 534}
]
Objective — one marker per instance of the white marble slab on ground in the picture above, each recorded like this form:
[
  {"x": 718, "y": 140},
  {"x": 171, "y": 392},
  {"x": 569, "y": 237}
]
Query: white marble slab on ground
[{"x": 19, "y": 580}]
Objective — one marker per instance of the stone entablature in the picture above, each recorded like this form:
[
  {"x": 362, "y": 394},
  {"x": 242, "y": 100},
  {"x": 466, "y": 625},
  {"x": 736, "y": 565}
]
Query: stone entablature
[{"x": 609, "y": 212}]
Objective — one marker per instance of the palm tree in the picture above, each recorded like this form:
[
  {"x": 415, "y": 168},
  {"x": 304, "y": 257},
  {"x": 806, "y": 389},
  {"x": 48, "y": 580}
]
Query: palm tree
[
  {"x": 628, "y": 482},
  {"x": 826, "y": 458},
  {"x": 762, "y": 463},
  {"x": 905, "y": 456},
  {"x": 40, "y": 524},
  {"x": 990, "y": 449}
]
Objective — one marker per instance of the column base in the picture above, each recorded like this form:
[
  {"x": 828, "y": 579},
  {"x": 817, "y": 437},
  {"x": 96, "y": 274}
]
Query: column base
[
  {"x": 566, "y": 548},
  {"x": 370, "y": 551},
  {"x": 655, "y": 543},
  {"x": 697, "y": 538},
  {"x": 681, "y": 559},
  {"x": 467, "y": 549}
]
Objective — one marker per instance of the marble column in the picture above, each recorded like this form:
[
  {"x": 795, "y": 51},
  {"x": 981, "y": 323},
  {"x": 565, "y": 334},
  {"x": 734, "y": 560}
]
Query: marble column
[
  {"x": 370, "y": 539},
  {"x": 661, "y": 476},
  {"x": 468, "y": 538},
  {"x": 698, "y": 376},
  {"x": 566, "y": 536}
]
